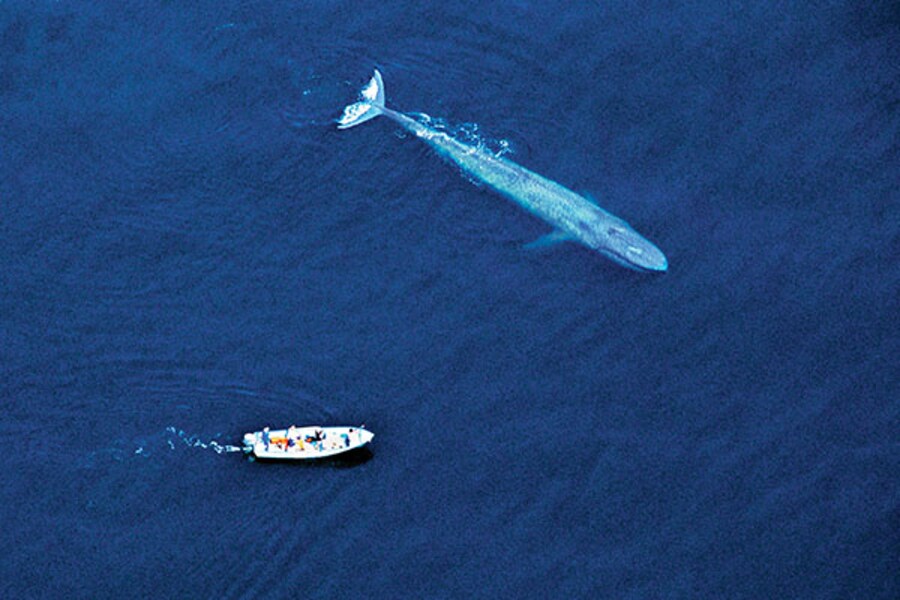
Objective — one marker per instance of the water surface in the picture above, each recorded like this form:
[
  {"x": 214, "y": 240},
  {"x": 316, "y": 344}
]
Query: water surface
[{"x": 192, "y": 250}]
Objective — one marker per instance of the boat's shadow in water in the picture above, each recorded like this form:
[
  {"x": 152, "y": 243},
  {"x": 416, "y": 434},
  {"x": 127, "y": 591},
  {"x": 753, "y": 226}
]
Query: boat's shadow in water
[{"x": 346, "y": 460}]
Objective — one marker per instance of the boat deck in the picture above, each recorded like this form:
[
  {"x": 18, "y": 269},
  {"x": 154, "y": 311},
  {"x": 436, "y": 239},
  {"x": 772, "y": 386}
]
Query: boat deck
[{"x": 299, "y": 443}]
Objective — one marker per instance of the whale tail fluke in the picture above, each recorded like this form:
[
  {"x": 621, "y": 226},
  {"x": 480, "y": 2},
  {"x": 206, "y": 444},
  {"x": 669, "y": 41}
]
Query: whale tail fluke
[{"x": 371, "y": 101}]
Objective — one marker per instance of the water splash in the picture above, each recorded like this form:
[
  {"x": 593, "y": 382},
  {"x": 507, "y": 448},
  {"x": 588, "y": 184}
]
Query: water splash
[
  {"x": 194, "y": 441},
  {"x": 467, "y": 133},
  {"x": 167, "y": 441},
  {"x": 317, "y": 100}
]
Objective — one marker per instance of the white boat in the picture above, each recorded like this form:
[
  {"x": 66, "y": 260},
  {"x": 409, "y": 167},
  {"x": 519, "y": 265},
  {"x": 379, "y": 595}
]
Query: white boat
[{"x": 305, "y": 443}]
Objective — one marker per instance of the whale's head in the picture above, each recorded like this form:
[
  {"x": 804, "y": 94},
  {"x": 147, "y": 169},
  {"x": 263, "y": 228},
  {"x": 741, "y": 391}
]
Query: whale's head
[{"x": 617, "y": 240}]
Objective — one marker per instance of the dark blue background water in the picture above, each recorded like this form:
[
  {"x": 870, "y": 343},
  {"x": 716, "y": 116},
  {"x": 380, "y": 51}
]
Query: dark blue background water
[{"x": 191, "y": 251}]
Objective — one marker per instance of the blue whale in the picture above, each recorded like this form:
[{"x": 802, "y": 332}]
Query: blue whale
[{"x": 573, "y": 217}]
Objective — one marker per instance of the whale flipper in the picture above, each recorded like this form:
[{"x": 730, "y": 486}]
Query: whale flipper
[
  {"x": 552, "y": 238},
  {"x": 371, "y": 101}
]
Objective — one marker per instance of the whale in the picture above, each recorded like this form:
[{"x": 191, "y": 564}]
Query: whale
[{"x": 573, "y": 217}]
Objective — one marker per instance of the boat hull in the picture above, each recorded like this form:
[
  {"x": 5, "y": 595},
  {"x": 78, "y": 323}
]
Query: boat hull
[{"x": 308, "y": 443}]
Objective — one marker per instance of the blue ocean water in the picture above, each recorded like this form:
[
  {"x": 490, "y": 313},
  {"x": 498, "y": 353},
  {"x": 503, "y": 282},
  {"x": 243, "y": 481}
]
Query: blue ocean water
[{"x": 191, "y": 250}]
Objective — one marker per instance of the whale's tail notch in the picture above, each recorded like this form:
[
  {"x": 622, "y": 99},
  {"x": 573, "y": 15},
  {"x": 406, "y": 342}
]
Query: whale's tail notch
[{"x": 371, "y": 101}]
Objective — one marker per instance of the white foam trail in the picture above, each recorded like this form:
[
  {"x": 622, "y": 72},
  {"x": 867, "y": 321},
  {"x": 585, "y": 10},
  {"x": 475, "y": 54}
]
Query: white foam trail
[
  {"x": 468, "y": 133},
  {"x": 194, "y": 441}
]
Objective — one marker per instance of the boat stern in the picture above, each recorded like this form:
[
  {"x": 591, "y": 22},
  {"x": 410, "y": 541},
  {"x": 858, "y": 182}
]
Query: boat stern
[{"x": 250, "y": 440}]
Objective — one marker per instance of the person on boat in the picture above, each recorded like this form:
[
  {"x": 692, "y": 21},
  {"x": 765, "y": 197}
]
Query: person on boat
[
  {"x": 291, "y": 438},
  {"x": 265, "y": 437}
]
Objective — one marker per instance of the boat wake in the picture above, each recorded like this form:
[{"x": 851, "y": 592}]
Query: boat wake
[
  {"x": 164, "y": 445},
  {"x": 173, "y": 439},
  {"x": 194, "y": 441}
]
